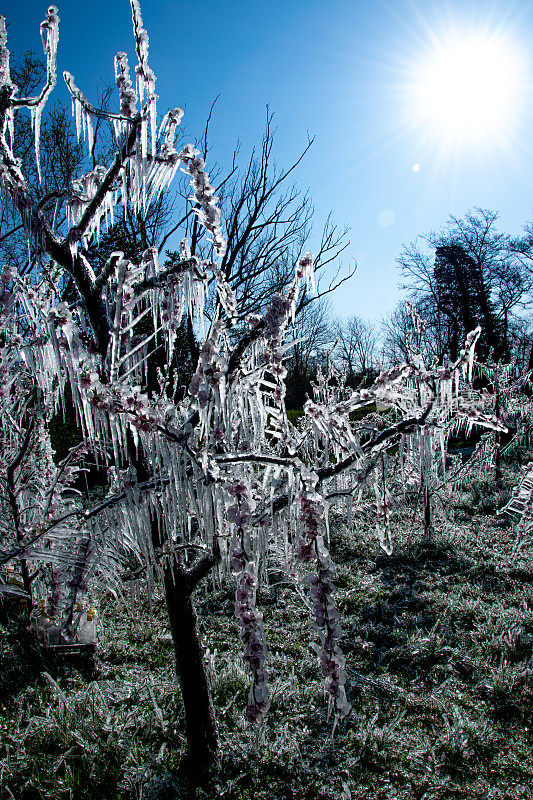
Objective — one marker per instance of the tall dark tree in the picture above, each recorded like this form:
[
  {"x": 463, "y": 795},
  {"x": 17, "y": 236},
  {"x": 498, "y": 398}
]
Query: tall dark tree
[
  {"x": 465, "y": 275},
  {"x": 464, "y": 297}
]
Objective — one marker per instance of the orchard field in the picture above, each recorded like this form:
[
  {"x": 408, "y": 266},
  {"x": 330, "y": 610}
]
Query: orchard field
[
  {"x": 246, "y": 550},
  {"x": 438, "y": 642}
]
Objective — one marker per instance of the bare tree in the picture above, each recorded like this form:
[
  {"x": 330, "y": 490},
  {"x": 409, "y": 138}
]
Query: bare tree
[
  {"x": 467, "y": 274},
  {"x": 313, "y": 337},
  {"x": 266, "y": 220},
  {"x": 356, "y": 349}
]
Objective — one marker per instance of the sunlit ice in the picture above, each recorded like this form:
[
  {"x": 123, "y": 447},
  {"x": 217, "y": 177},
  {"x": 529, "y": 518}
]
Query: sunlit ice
[{"x": 468, "y": 89}]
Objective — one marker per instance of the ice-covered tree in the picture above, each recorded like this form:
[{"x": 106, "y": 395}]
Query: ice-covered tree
[
  {"x": 425, "y": 466},
  {"x": 40, "y": 530},
  {"x": 207, "y": 482}
]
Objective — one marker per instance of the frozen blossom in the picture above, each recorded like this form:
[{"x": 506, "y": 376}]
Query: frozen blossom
[
  {"x": 311, "y": 548},
  {"x": 204, "y": 197},
  {"x": 127, "y": 96}
]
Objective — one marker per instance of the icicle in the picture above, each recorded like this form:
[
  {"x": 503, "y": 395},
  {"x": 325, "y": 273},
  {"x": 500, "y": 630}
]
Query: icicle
[
  {"x": 90, "y": 135},
  {"x": 78, "y": 112},
  {"x": 10, "y": 125},
  {"x": 326, "y": 522},
  {"x": 36, "y": 121},
  {"x": 124, "y": 190},
  {"x": 471, "y": 354},
  {"x": 153, "y": 123},
  {"x": 73, "y": 246},
  {"x": 144, "y": 140}
]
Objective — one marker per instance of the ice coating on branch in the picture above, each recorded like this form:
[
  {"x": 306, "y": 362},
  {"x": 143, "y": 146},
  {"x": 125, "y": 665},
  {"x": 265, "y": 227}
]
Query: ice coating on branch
[
  {"x": 82, "y": 111},
  {"x": 83, "y": 191},
  {"x": 145, "y": 77},
  {"x": 250, "y": 620},
  {"x": 311, "y": 548},
  {"x": 184, "y": 249},
  {"x": 50, "y": 32},
  {"x": 469, "y": 349},
  {"x": 383, "y": 507},
  {"x": 306, "y": 266},
  {"x": 520, "y": 505},
  {"x": 207, "y": 209},
  {"x": 5, "y": 77},
  {"x": 126, "y": 92},
  {"x": 50, "y": 38},
  {"x": 252, "y": 634},
  {"x": 226, "y": 294},
  {"x": 168, "y": 127},
  {"x": 140, "y": 33}
]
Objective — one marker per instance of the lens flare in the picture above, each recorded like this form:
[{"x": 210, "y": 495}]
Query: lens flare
[{"x": 468, "y": 87}]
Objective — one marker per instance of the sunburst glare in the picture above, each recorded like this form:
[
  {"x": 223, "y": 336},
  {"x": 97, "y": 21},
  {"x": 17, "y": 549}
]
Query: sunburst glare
[{"x": 468, "y": 89}]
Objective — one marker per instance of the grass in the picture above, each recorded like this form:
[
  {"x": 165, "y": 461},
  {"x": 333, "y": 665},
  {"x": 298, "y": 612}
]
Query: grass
[{"x": 438, "y": 642}]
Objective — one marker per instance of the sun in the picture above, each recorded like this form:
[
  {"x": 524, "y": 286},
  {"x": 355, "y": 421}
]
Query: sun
[{"x": 468, "y": 88}]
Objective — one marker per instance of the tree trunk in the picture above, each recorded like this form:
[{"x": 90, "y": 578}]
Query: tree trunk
[
  {"x": 497, "y": 437},
  {"x": 190, "y": 667},
  {"x": 428, "y": 527},
  {"x": 530, "y": 360}
]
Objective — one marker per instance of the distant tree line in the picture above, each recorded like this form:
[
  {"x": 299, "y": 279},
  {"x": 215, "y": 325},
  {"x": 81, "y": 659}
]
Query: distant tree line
[{"x": 465, "y": 275}]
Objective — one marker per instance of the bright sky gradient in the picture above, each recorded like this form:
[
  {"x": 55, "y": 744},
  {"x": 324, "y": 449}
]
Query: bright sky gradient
[{"x": 344, "y": 71}]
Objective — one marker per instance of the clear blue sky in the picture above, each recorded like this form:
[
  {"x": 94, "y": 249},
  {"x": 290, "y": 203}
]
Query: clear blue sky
[{"x": 345, "y": 72}]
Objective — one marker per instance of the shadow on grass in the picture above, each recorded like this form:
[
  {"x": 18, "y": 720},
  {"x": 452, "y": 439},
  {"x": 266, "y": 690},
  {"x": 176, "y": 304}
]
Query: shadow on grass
[{"x": 402, "y": 624}]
